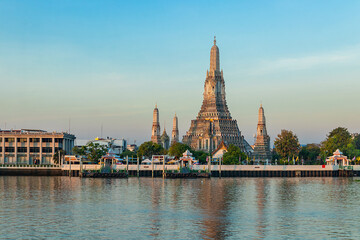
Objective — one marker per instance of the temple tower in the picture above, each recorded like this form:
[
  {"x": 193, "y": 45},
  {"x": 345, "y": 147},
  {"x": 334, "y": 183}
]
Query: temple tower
[
  {"x": 262, "y": 143},
  {"x": 214, "y": 123},
  {"x": 165, "y": 140},
  {"x": 175, "y": 131},
  {"x": 155, "y": 135}
]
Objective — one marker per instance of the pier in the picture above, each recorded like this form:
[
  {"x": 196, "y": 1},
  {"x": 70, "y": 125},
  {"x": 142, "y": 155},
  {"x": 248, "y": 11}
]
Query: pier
[
  {"x": 132, "y": 170},
  {"x": 229, "y": 170}
]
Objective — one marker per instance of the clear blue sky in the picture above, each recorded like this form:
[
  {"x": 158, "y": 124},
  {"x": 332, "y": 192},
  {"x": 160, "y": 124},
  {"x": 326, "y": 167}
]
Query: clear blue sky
[{"x": 109, "y": 62}]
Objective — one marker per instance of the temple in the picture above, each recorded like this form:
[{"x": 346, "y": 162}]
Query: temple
[
  {"x": 262, "y": 144},
  {"x": 165, "y": 140},
  {"x": 175, "y": 131},
  {"x": 155, "y": 135},
  {"x": 214, "y": 123}
]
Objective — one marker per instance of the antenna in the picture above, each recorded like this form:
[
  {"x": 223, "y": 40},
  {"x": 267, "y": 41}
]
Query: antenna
[{"x": 69, "y": 124}]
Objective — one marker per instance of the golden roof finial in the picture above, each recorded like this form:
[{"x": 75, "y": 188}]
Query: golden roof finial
[{"x": 214, "y": 40}]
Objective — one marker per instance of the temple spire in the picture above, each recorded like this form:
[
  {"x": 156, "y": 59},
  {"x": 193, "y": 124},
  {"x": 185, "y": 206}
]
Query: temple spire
[
  {"x": 155, "y": 135},
  {"x": 214, "y": 58},
  {"x": 175, "y": 131},
  {"x": 262, "y": 142}
]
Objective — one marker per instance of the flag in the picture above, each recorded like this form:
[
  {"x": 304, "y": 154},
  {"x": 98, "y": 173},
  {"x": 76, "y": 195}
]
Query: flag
[
  {"x": 353, "y": 158},
  {"x": 288, "y": 159}
]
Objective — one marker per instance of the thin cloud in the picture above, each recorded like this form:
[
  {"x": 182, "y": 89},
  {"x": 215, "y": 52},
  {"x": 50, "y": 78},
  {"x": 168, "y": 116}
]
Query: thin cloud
[{"x": 307, "y": 62}]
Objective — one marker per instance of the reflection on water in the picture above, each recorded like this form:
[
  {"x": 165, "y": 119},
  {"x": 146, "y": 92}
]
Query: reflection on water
[{"x": 227, "y": 208}]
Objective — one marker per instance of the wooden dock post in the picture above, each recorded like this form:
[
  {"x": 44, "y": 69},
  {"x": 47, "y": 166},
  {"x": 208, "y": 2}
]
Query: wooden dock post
[
  {"x": 70, "y": 167},
  {"x": 163, "y": 167},
  {"x": 127, "y": 165},
  {"x": 220, "y": 167},
  {"x": 137, "y": 165},
  {"x": 209, "y": 165},
  {"x": 81, "y": 167},
  {"x": 152, "y": 167}
]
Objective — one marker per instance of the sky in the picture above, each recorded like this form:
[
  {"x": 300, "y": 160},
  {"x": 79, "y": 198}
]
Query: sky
[{"x": 80, "y": 65}]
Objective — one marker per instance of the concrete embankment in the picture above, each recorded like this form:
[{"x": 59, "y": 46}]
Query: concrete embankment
[
  {"x": 230, "y": 170},
  {"x": 216, "y": 170},
  {"x": 21, "y": 171}
]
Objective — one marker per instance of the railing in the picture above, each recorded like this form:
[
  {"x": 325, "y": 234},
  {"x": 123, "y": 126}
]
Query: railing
[
  {"x": 346, "y": 167},
  {"x": 29, "y": 166}
]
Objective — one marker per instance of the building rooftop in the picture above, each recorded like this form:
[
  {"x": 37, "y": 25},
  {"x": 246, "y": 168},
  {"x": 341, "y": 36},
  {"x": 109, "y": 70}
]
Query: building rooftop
[{"x": 32, "y": 131}]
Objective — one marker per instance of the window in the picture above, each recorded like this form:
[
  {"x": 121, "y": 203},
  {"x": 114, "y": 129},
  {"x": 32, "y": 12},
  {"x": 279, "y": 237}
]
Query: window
[
  {"x": 34, "y": 149},
  {"x": 0, "y": 149},
  {"x": 35, "y": 140},
  {"x": 58, "y": 140},
  {"x": 199, "y": 144},
  {"x": 47, "y": 140},
  {"x": 9, "y": 139},
  {"x": 47, "y": 150},
  {"x": 57, "y": 149},
  {"x": 21, "y": 140},
  {"x": 0, "y": 139},
  {"x": 22, "y": 149},
  {"x": 9, "y": 149},
  {"x": 207, "y": 144}
]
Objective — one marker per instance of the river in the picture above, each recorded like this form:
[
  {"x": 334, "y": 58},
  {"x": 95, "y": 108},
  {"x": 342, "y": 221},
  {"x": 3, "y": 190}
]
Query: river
[{"x": 146, "y": 208}]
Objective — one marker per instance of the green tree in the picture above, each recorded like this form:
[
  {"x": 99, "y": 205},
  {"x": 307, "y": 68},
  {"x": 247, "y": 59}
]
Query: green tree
[
  {"x": 310, "y": 153},
  {"x": 92, "y": 151},
  {"x": 356, "y": 141},
  {"x": 275, "y": 156},
  {"x": 128, "y": 153},
  {"x": 352, "y": 151},
  {"x": 177, "y": 149},
  {"x": 232, "y": 156},
  {"x": 148, "y": 149},
  {"x": 200, "y": 155},
  {"x": 338, "y": 138},
  {"x": 287, "y": 144},
  {"x": 81, "y": 151},
  {"x": 58, "y": 156}
]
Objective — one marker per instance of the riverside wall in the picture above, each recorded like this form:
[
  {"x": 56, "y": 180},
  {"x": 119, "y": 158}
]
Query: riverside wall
[
  {"x": 231, "y": 170},
  {"x": 216, "y": 170}
]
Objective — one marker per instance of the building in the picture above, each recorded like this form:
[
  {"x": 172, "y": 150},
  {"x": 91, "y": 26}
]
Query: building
[
  {"x": 29, "y": 146},
  {"x": 262, "y": 144},
  {"x": 214, "y": 123},
  {"x": 338, "y": 159},
  {"x": 165, "y": 140},
  {"x": 175, "y": 131},
  {"x": 155, "y": 135},
  {"x": 132, "y": 147},
  {"x": 117, "y": 146},
  {"x": 219, "y": 152}
]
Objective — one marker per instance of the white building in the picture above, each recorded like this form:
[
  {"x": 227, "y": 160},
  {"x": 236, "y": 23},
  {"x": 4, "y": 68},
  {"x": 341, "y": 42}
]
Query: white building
[{"x": 116, "y": 145}]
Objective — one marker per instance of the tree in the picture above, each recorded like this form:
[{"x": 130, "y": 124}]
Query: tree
[
  {"x": 287, "y": 144},
  {"x": 92, "y": 151},
  {"x": 58, "y": 156},
  {"x": 148, "y": 149},
  {"x": 128, "y": 153},
  {"x": 200, "y": 155},
  {"x": 356, "y": 141},
  {"x": 338, "y": 138},
  {"x": 81, "y": 151},
  {"x": 310, "y": 153},
  {"x": 177, "y": 149},
  {"x": 233, "y": 155}
]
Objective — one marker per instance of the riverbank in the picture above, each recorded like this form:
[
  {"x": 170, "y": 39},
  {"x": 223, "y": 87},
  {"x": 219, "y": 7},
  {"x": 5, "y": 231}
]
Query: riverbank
[{"x": 215, "y": 170}]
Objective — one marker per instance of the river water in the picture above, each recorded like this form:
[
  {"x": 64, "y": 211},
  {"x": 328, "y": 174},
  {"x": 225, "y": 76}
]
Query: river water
[{"x": 145, "y": 208}]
